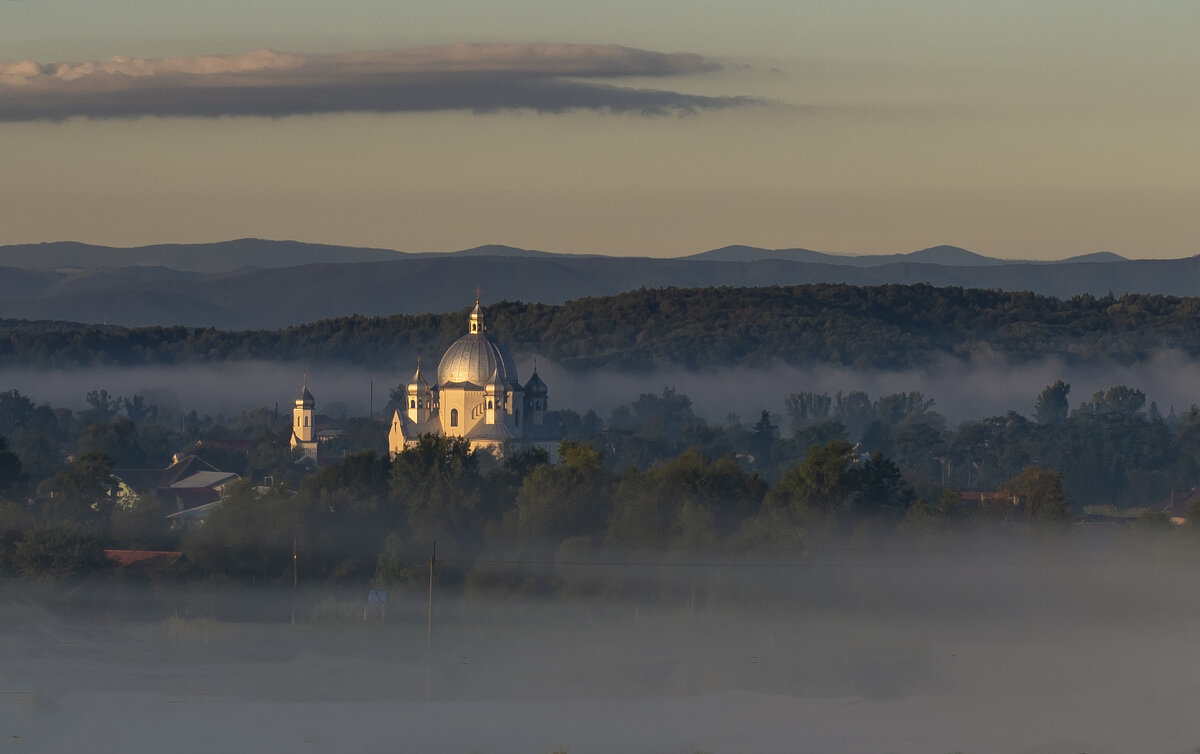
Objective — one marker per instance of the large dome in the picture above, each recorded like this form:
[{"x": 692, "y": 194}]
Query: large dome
[{"x": 472, "y": 358}]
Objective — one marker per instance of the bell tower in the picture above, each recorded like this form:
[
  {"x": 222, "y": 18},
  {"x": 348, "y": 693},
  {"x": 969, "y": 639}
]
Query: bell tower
[
  {"x": 302, "y": 416},
  {"x": 419, "y": 397},
  {"x": 475, "y": 326}
]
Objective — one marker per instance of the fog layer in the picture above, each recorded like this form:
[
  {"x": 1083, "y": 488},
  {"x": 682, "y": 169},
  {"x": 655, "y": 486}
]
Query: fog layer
[
  {"x": 1008, "y": 646},
  {"x": 983, "y": 386}
]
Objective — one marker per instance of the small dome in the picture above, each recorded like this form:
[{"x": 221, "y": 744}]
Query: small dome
[
  {"x": 473, "y": 358},
  {"x": 418, "y": 383},
  {"x": 535, "y": 386},
  {"x": 494, "y": 383}
]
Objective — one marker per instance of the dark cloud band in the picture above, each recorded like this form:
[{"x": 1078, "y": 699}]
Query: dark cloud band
[{"x": 542, "y": 78}]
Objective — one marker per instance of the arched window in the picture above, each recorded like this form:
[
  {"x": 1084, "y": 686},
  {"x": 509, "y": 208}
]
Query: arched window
[
  {"x": 297, "y": 421},
  {"x": 412, "y": 403},
  {"x": 453, "y": 417},
  {"x": 306, "y": 421},
  {"x": 489, "y": 403},
  {"x": 517, "y": 416}
]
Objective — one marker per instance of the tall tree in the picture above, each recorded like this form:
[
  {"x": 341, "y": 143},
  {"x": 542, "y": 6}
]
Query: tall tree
[
  {"x": 82, "y": 493},
  {"x": 764, "y": 437},
  {"x": 1052, "y": 405},
  {"x": 571, "y": 498},
  {"x": 806, "y": 408},
  {"x": 882, "y": 490},
  {"x": 436, "y": 483},
  {"x": 13, "y": 478},
  {"x": 820, "y": 486}
]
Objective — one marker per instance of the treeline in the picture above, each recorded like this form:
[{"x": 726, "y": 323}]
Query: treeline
[
  {"x": 371, "y": 517},
  {"x": 1112, "y": 448},
  {"x": 890, "y": 326},
  {"x": 652, "y": 476}
]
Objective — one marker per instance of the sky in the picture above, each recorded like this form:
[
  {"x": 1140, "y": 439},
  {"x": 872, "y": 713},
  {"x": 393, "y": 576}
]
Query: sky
[{"x": 1023, "y": 130}]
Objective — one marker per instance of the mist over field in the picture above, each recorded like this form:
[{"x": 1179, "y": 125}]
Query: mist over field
[
  {"x": 983, "y": 386},
  {"x": 1011, "y": 644},
  {"x": 969, "y": 637}
]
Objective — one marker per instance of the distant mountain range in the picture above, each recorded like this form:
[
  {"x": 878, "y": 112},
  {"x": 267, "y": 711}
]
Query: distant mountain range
[
  {"x": 223, "y": 256},
  {"x": 950, "y": 256},
  {"x": 252, "y": 283}
]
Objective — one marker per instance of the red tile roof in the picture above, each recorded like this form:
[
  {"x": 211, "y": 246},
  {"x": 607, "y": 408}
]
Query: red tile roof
[{"x": 142, "y": 558}]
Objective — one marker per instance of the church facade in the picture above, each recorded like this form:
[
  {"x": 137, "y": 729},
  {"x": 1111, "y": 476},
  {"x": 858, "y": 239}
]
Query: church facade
[{"x": 476, "y": 394}]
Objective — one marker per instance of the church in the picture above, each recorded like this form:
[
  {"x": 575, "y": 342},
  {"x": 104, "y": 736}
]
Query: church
[
  {"x": 309, "y": 429},
  {"x": 477, "y": 395}
]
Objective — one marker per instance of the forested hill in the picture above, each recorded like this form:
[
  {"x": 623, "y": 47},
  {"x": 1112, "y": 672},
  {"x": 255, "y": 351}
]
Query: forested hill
[{"x": 888, "y": 326}]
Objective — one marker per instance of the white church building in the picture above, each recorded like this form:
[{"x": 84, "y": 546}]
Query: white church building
[{"x": 477, "y": 395}]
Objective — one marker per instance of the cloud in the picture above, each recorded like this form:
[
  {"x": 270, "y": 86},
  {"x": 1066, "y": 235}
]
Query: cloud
[{"x": 481, "y": 78}]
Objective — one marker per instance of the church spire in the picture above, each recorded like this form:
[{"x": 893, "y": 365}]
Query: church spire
[
  {"x": 476, "y": 325},
  {"x": 418, "y": 382},
  {"x": 304, "y": 398}
]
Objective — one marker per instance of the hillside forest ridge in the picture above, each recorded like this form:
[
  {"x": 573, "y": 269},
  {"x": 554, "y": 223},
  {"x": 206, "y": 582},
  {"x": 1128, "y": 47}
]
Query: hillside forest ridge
[{"x": 877, "y": 327}]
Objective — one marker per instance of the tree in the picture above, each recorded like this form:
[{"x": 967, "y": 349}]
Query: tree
[
  {"x": 764, "y": 437},
  {"x": 116, "y": 439},
  {"x": 15, "y": 411},
  {"x": 656, "y": 416},
  {"x": 14, "y": 521},
  {"x": 571, "y": 498},
  {"x": 882, "y": 491},
  {"x": 436, "y": 485},
  {"x": 41, "y": 456},
  {"x": 855, "y": 410},
  {"x": 898, "y": 407},
  {"x": 396, "y": 567},
  {"x": 684, "y": 501},
  {"x": 503, "y": 482},
  {"x": 81, "y": 493},
  {"x": 60, "y": 550},
  {"x": 137, "y": 410},
  {"x": 249, "y": 535},
  {"x": 821, "y": 485},
  {"x": 1118, "y": 400},
  {"x": 806, "y": 408},
  {"x": 1039, "y": 493},
  {"x": 12, "y": 476},
  {"x": 102, "y": 407},
  {"x": 140, "y": 523},
  {"x": 1052, "y": 405}
]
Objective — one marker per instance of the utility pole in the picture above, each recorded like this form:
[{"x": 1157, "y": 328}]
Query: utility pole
[
  {"x": 295, "y": 577},
  {"x": 429, "y": 627}
]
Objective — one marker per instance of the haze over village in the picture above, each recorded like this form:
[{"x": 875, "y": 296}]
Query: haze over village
[{"x": 532, "y": 378}]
